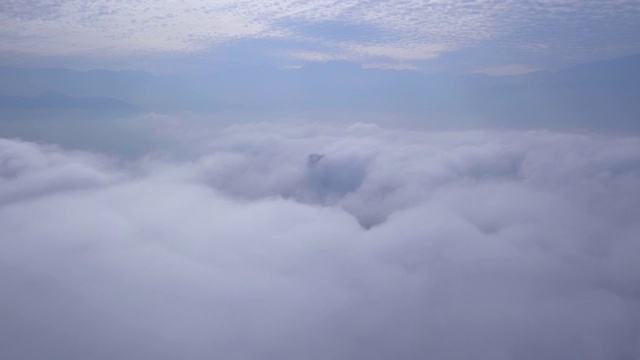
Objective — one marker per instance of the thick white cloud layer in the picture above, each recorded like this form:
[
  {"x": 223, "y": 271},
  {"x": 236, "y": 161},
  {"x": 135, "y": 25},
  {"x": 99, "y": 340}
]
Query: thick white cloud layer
[{"x": 385, "y": 244}]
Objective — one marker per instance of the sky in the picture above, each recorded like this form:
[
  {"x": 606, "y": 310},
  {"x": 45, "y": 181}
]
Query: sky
[
  {"x": 262, "y": 190},
  {"x": 487, "y": 36}
]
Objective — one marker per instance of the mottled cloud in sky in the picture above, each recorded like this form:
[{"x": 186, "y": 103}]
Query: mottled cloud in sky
[
  {"x": 324, "y": 242},
  {"x": 190, "y": 231},
  {"x": 389, "y": 33}
]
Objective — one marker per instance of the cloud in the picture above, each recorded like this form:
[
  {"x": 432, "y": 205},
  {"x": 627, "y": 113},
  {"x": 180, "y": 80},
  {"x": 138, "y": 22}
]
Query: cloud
[
  {"x": 384, "y": 244},
  {"x": 358, "y": 30},
  {"x": 507, "y": 70}
]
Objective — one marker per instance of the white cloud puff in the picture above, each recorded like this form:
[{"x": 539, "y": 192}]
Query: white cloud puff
[{"x": 320, "y": 241}]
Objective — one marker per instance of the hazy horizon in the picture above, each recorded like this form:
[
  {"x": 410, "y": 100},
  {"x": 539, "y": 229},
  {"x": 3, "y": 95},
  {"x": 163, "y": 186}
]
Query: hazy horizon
[{"x": 320, "y": 179}]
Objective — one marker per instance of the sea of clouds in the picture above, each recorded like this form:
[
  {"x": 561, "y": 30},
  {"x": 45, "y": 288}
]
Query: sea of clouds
[{"x": 319, "y": 241}]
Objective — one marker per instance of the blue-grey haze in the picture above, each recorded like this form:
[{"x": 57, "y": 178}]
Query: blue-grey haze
[{"x": 320, "y": 179}]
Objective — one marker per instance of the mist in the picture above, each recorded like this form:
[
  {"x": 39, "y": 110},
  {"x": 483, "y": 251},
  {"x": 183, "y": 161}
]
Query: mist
[
  {"x": 320, "y": 179},
  {"x": 316, "y": 240}
]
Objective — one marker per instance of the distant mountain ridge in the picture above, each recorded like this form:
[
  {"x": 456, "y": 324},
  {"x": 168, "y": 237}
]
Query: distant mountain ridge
[
  {"x": 596, "y": 94},
  {"x": 55, "y": 100}
]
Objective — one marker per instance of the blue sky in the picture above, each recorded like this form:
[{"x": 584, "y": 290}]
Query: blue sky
[{"x": 489, "y": 36}]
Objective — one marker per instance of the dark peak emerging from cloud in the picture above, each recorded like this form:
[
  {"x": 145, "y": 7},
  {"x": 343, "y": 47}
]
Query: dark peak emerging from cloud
[
  {"x": 517, "y": 245},
  {"x": 313, "y": 159}
]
